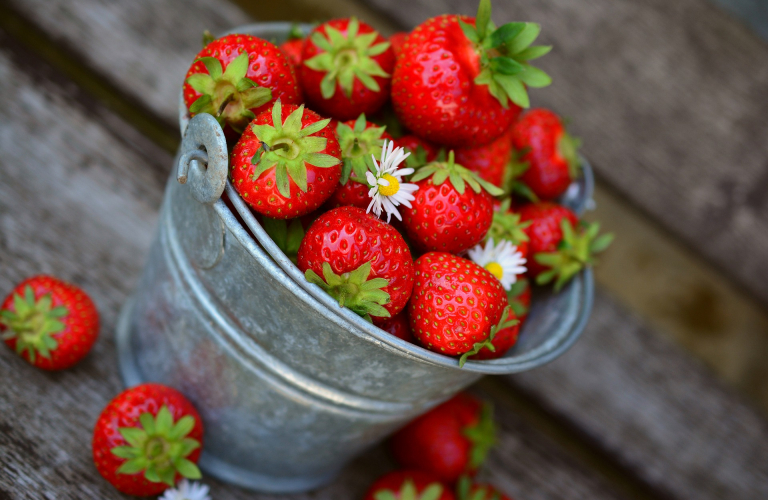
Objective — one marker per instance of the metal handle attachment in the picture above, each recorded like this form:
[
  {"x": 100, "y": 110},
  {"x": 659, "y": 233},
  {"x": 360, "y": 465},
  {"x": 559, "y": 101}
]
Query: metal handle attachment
[{"x": 204, "y": 144}]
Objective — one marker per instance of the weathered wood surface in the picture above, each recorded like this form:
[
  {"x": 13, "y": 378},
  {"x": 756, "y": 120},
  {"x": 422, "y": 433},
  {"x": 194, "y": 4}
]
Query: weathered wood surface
[
  {"x": 669, "y": 98},
  {"x": 78, "y": 198}
]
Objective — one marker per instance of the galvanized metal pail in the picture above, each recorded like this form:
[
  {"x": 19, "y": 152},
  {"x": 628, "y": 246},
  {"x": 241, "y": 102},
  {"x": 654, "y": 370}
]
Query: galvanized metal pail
[{"x": 290, "y": 386}]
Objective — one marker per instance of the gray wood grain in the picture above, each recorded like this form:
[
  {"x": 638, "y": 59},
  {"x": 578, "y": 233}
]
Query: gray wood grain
[
  {"x": 78, "y": 199},
  {"x": 669, "y": 98}
]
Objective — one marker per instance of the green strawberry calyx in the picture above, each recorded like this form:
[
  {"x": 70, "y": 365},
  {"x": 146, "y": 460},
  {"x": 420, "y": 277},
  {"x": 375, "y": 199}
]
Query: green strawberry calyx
[
  {"x": 512, "y": 184},
  {"x": 502, "y": 324},
  {"x": 287, "y": 235},
  {"x": 33, "y": 324},
  {"x": 568, "y": 147},
  {"x": 483, "y": 437},
  {"x": 344, "y": 58},
  {"x": 575, "y": 251},
  {"x": 506, "y": 225},
  {"x": 505, "y": 53},
  {"x": 465, "y": 491},
  {"x": 416, "y": 159},
  {"x": 408, "y": 491},
  {"x": 357, "y": 144},
  {"x": 517, "y": 289},
  {"x": 354, "y": 290},
  {"x": 440, "y": 171},
  {"x": 289, "y": 148},
  {"x": 228, "y": 94},
  {"x": 159, "y": 447}
]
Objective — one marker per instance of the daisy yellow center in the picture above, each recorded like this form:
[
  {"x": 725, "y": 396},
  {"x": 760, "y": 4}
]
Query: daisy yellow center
[
  {"x": 495, "y": 269},
  {"x": 393, "y": 188}
]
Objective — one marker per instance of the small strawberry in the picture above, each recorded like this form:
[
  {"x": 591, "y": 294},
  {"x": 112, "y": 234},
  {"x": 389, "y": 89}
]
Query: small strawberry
[
  {"x": 549, "y": 152},
  {"x": 397, "y": 40},
  {"x": 466, "y": 490},
  {"x": 456, "y": 75},
  {"x": 286, "y": 164},
  {"x": 446, "y": 216},
  {"x": 146, "y": 439},
  {"x": 422, "y": 152},
  {"x": 507, "y": 226},
  {"x": 48, "y": 322},
  {"x": 346, "y": 70},
  {"x": 293, "y": 46},
  {"x": 399, "y": 326},
  {"x": 489, "y": 161},
  {"x": 408, "y": 485},
  {"x": 364, "y": 262},
  {"x": 560, "y": 246},
  {"x": 449, "y": 441},
  {"x": 457, "y": 306},
  {"x": 237, "y": 77}
]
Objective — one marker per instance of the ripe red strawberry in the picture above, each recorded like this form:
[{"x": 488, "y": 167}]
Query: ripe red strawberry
[
  {"x": 408, "y": 485},
  {"x": 456, "y": 75},
  {"x": 347, "y": 68},
  {"x": 489, "y": 161},
  {"x": 548, "y": 150},
  {"x": 397, "y": 40},
  {"x": 399, "y": 326},
  {"x": 504, "y": 339},
  {"x": 364, "y": 262},
  {"x": 286, "y": 164},
  {"x": 146, "y": 439},
  {"x": 457, "y": 306},
  {"x": 448, "y": 441},
  {"x": 422, "y": 152},
  {"x": 507, "y": 226},
  {"x": 466, "y": 490},
  {"x": 560, "y": 246},
  {"x": 48, "y": 322},
  {"x": 446, "y": 216},
  {"x": 293, "y": 46},
  {"x": 237, "y": 77},
  {"x": 352, "y": 194}
]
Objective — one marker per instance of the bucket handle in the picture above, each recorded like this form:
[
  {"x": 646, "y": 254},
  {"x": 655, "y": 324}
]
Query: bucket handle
[{"x": 204, "y": 143}]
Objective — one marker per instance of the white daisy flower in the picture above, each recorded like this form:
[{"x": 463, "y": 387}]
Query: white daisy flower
[
  {"x": 186, "y": 490},
  {"x": 503, "y": 260},
  {"x": 387, "y": 187}
]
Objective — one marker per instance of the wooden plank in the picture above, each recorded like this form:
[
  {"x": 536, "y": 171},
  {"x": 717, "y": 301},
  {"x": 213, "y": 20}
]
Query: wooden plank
[
  {"x": 656, "y": 411},
  {"x": 78, "y": 199},
  {"x": 669, "y": 98}
]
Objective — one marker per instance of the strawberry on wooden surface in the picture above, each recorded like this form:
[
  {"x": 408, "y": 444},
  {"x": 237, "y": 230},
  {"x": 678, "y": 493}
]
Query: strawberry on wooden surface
[
  {"x": 548, "y": 151},
  {"x": 460, "y": 82},
  {"x": 287, "y": 162},
  {"x": 146, "y": 439},
  {"x": 408, "y": 485},
  {"x": 449, "y": 441},
  {"x": 452, "y": 210},
  {"x": 50, "y": 323},
  {"x": 359, "y": 260},
  {"x": 237, "y": 77},
  {"x": 346, "y": 69}
]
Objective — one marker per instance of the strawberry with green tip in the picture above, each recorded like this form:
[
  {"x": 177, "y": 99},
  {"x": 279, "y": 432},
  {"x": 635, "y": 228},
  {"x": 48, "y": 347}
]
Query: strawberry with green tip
[
  {"x": 460, "y": 81},
  {"x": 408, "y": 485},
  {"x": 359, "y": 140},
  {"x": 559, "y": 244},
  {"x": 50, "y": 323},
  {"x": 286, "y": 164},
  {"x": 346, "y": 69},
  {"x": 450, "y": 216},
  {"x": 146, "y": 439},
  {"x": 236, "y": 77}
]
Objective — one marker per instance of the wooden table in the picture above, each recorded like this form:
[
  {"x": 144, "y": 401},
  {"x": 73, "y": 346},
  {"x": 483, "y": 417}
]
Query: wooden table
[{"x": 671, "y": 102}]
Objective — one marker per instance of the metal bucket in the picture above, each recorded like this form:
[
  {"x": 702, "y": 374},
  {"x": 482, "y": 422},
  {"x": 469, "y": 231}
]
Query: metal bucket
[{"x": 290, "y": 386}]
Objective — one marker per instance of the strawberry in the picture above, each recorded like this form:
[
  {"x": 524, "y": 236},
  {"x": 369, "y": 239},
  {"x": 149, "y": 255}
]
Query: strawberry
[
  {"x": 448, "y": 441},
  {"x": 466, "y": 490},
  {"x": 352, "y": 194},
  {"x": 346, "y": 70},
  {"x": 359, "y": 140},
  {"x": 549, "y": 152},
  {"x": 399, "y": 326},
  {"x": 48, "y": 322},
  {"x": 286, "y": 164},
  {"x": 457, "y": 306},
  {"x": 489, "y": 161},
  {"x": 507, "y": 226},
  {"x": 397, "y": 40},
  {"x": 456, "y": 75},
  {"x": 364, "y": 262},
  {"x": 146, "y": 439},
  {"x": 422, "y": 152},
  {"x": 504, "y": 339},
  {"x": 560, "y": 246},
  {"x": 293, "y": 46},
  {"x": 237, "y": 77},
  {"x": 446, "y": 216},
  {"x": 408, "y": 485}
]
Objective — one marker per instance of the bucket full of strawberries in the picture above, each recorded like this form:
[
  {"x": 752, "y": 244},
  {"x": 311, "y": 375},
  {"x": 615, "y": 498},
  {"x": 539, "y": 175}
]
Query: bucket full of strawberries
[{"x": 344, "y": 243}]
